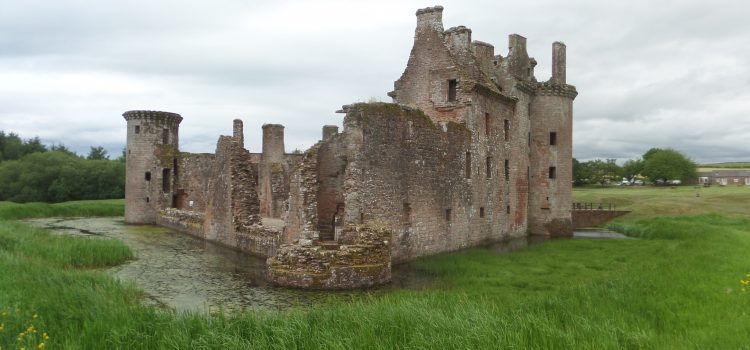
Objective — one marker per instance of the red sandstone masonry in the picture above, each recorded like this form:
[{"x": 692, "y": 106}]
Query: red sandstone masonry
[{"x": 430, "y": 168}]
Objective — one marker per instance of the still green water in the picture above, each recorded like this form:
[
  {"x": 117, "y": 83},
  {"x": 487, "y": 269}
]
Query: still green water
[{"x": 185, "y": 273}]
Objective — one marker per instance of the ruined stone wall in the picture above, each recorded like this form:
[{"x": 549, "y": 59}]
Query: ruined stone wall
[
  {"x": 193, "y": 180},
  {"x": 218, "y": 224},
  {"x": 232, "y": 214},
  {"x": 410, "y": 173},
  {"x": 361, "y": 259},
  {"x": 424, "y": 82},
  {"x": 302, "y": 217},
  {"x": 332, "y": 163},
  {"x": 187, "y": 221},
  {"x": 148, "y": 157}
]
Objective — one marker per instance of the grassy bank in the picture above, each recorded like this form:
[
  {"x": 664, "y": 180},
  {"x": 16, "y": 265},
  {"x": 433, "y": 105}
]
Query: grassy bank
[
  {"x": 651, "y": 201},
  {"x": 108, "y": 207},
  {"x": 677, "y": 287}
]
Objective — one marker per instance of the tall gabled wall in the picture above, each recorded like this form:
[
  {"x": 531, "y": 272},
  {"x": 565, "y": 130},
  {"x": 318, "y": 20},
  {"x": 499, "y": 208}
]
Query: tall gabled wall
[{"x": 406, "y": 171}]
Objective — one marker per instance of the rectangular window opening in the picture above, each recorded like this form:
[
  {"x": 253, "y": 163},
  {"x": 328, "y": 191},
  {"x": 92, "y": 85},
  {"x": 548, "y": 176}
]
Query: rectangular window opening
[
  {"x": 489, "y": 167},
  {"x": 452, "y": 90},
  {"x": 507, "y": 209},
  {"x": 506, "y": 129},
  {"x": 148, "y": 200},
  {"x": 166, "y": 179},
  {"x": 529, "y": 139},
  {"x": 487, "y": 124},
  {"x": 165, "y": 136},
  {"x": 552, "y": 172},
  {"x": 481, "y": 212},
  {"x": 447, "y": 215},
  {"x": 361, "y": 218},
  {"x": 148, "y": 176},
  {"x": 552, "y": 138},
  {"x": 137, "y": 129},
  {"x": 468, "y": 165},
  {"x": 507, "y": 170}
]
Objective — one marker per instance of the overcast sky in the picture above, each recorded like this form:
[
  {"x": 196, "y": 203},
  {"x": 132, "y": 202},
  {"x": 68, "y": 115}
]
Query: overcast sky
[{"x": 665, "y": 74}]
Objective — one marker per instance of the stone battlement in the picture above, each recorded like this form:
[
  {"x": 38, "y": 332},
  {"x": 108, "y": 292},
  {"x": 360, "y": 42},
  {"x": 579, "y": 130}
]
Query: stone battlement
[{"x": 146, "y": 114}]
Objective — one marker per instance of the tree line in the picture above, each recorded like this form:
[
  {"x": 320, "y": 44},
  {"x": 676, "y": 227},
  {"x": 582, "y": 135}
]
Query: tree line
[
  {"x": 657, "y": 165},
  {"x": 32, "y": 172}
]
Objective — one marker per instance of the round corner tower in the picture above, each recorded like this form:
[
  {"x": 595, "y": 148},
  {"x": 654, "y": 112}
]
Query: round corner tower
[
  {"x": 550, "y": 188},
  {"x": 151, "y": 164}
]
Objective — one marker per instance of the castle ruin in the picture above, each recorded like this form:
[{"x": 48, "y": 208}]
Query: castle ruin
[{"x": 472, "y": 150}]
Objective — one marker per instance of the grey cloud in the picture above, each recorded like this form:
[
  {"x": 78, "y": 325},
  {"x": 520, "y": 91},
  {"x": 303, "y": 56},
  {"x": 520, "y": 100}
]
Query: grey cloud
[{"x": 671, "y": 74}]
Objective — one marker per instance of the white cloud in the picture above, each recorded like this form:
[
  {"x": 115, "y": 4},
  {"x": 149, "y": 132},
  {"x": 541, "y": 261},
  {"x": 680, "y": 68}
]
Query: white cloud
[{"x": 672, "y": 75}]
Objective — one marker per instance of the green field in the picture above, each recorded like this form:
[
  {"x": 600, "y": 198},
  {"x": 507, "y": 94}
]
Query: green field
[
  {"x": 727, "y": 165},
  {"x": 677, "y": 287},
  {"x": 655, "y": 201}
]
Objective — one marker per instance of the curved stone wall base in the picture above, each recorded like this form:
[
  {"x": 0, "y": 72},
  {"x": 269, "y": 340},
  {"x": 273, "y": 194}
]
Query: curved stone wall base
[{"x": 360, "y": 259}]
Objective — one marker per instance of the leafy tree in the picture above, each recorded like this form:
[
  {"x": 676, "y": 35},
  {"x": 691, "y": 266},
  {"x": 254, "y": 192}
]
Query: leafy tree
[
  {"x": 650, "y": 153},
  {"x": 632, "y": 168},
  {"x": 581, "y": 173},
  {"x": 61, "y": 148},
  {"x": 12, "y": 146},
  {"x": 667, "y": 164},
  {"x": 121, "y": 158},
  {"x": 603, "y": 171},
  {"x": 33, "y": 145},
  {"x": 97, "y": 153},
  {"x": 58, "y": 176}
]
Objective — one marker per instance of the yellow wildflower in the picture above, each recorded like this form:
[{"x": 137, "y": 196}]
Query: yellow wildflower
[
  {"x": 35, "y": 316},
  {"x": 41, "y": 346},
  {"x": 45, "y": 336}
]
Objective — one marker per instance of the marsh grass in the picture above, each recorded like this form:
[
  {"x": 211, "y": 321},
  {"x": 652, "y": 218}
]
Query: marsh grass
[
  {"x": 14, "y": 211},
  {"x": 675, "y": 287}
]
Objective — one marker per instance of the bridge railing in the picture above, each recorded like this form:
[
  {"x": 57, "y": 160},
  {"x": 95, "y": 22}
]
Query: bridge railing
[{"x": 594, "y": 206}]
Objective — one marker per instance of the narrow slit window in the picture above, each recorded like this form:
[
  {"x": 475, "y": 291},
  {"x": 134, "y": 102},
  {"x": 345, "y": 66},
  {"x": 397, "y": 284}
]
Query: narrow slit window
[
  {"x": 507, "y": 209},
  {"x": 552, "y": 138},
  {"x": 447, "y": 215},
  {"x": 166, "y": 179},
  {"x": 481, "y": 212},
  {"x": 148, "y": 176},
  {"x": 488, "y": 167},
  {"x": 148, "y": 200},
  {"x": 407, "y": 213},
  {"x": 452, "y": 90},
  {"x": 487, "y": 124},
  {"x": 137, "y": 129},
  {"x": 529, "y": 139},
  {"x": 361, "y": 218},
  {"x": 507, "y": 170},
  {"x": 552, "y": 172},
  {"x": 468, "y": 165},
  {"x": 506, "y": 129},
  {"x": 165, "y": 136}
]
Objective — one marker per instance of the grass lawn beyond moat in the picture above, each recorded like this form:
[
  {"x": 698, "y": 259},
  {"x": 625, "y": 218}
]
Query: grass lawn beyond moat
[{"x": 678, "y": 286}]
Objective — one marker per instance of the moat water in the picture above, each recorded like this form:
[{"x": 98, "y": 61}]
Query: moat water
[{"x": 185, "y": 273}]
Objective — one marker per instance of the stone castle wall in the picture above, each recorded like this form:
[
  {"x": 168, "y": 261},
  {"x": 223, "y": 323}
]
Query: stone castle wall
[{"x": 463, "y": 158}]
